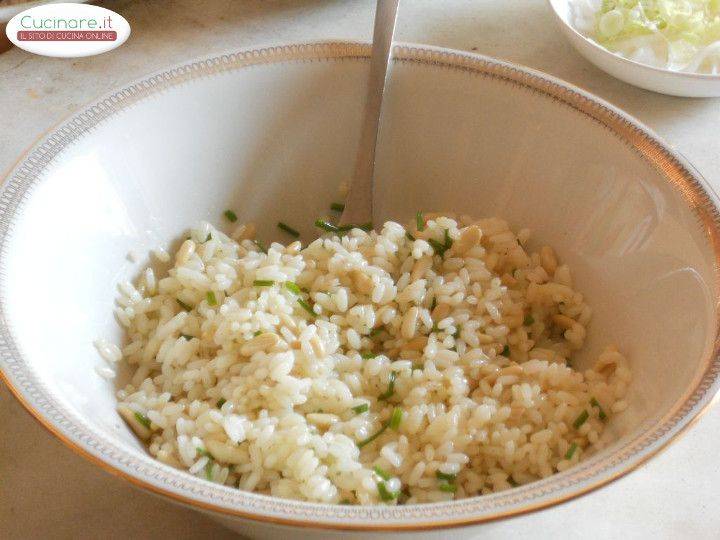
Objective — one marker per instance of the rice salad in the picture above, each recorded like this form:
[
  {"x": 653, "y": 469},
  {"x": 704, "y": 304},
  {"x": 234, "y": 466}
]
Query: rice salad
[{"x": 407, "y": 366}]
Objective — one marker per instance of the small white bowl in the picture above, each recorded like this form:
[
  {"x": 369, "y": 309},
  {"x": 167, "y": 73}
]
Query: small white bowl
[
  {"x": 271, "y": 132},
  {"x": 664, "y": 81}
]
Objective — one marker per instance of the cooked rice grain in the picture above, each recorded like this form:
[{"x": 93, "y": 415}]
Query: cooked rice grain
[{"x": 240, "y": 384}]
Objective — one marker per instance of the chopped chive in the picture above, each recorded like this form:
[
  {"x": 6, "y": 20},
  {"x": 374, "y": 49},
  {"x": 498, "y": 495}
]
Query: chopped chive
[
  {"x": 208, "y": 469},
  {"x": 260, "y": 246},
  {"x": 391, "y": 386},
  {"x": 361, "y": 408},
  {"x": 409, "y": 236},
  {"x": 571, "y": 451},
  {"x": 368, "y": 355},
  {"x": 580, "y": 420},
  {"x": 232, "y": 216},
  {"x": 263, "y": 283},
  {"x": 203, "y": 452},
  {"x": 396, "y": 418},
  {"x": 293, "y": 287},
  {"x": 372, "y": 437},
  {"x": 506, "y": 351},
  {"x": 144, "y": 420},
  {"x": 345, "y": 501},
  {"x": 375, "y": 331},
  {"x": 529, "y": 319},
  {"x": 288, "y": 229},
  {"x": 457, "y": 332},
  {"x": 447, "y": 488},
  {"x": 433, "y": 304},
  {"x": 601, "y": 413},
  {"x": 183, "y": 305},
  {"x": 256, "y": 333},
  {"x": 222, "y": 401},
  {"x": 187, "y": 336},
  {"x": 326, "y": 226},
  {"x": 437, "y": 247},
  {"x": 209, "y": 237},
  {"x": 381, "y": 473},
  {"x": 420, "y": 221},
  {"x": 337, "y": 207},
  {"x": 434, "y": 328},
  {"x": 211, "y": 298},
  {"x": 367, "y": 227},
  {"x": 445, "y": 476},
  {"x": 306, "y": 307},
  {"x": 448, "y": 241},
  {"x": 386, "y": 495}
]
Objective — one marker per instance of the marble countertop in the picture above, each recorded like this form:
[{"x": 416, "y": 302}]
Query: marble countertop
[{"x": 46, "y": 491}]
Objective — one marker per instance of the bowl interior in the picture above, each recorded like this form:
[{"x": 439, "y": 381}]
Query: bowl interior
[{"x": 273, "y": 142}]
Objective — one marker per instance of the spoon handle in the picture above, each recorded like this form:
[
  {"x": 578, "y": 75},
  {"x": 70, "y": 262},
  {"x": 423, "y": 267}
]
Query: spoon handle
[{"x": 359, "y": 203}]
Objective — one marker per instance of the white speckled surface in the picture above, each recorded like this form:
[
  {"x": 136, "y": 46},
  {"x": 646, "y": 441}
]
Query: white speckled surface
[{"x": 46, "y": 491}]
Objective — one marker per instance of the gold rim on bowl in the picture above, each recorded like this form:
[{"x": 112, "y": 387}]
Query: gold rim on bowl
[{"x": 147, "y": 473}]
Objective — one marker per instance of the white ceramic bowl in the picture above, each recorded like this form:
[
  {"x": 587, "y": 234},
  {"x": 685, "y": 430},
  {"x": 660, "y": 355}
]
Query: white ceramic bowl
[
  {"x": 271, "y": 132},
  {"x": 664, "y": 81}
]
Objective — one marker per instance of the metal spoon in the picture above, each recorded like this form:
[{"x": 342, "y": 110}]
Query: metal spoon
[{"x": 359, "y": 202}]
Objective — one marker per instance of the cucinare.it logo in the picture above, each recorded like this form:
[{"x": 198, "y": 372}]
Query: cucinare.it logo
[{"x": 68, "y": 30}]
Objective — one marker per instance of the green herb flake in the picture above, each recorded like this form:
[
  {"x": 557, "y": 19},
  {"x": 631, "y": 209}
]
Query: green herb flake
[
  {"x": 203, "y": 452},
  {"x": 506, "y": 351},
  {"x": 211, "y": 298},
  {"x": 448, "y": 241},
  {"x": 345, "y": 501},
  {"x": 528, "y": 320},
  {"x": 260, "y": 246},
  {"x": 437, "y": 247},
  {"x": 222, "y": 401},
  {"x": 420, "y": 221},
  {"x": 386, "y": 495},
  {"x": 359, "y": 409},
  {"x": 372, "y": 437},
  {"x": 396, "y": 418},
  {"x": 571, "y": 451},
  {"x": 327, "y": 226},
  {"x": 144, "y": 420},
  {"x": 447, "y": 488},
  {"x": 367, "y": 227},
  {"x": 208, "y": 469},
  {"x": 391, "y": 386},
  {"x": 186, "y": 336},
  {"x": 445, "y": 476},
  {"x": 263, "y": 283},
  {"x": 256, "y": 333},
  {"x": 601, "y": 413},
  {"x": 457, "y": 332},
  {"x": 230, "y": 215},
  {"x": 288, "y": 229},
  {"x": 382, "y": 473},
  {"x": 293, "y": 288},
  {"x": 375, "y": 331},
  {"x": 183, "y": 305},
  {"x": 433, "y": 304},
  {"x": 580, "y": 420},
  {"x": 368, "y": 355},
  {"x": 307, "y": 307},
  {"x": 337, "y": 207},
  {"x": 209, "y": 237}
]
